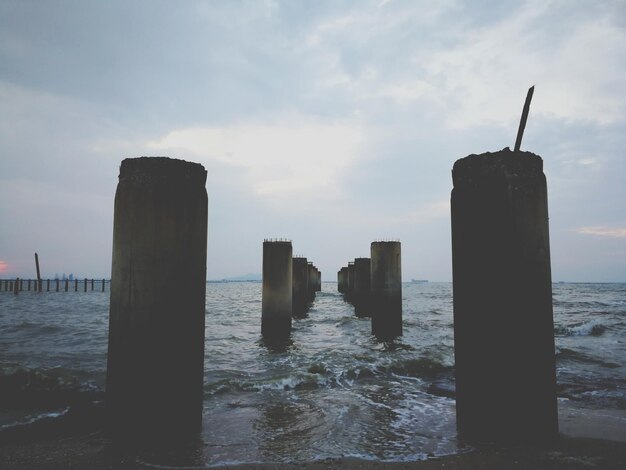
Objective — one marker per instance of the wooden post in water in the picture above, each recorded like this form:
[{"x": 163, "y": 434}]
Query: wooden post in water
[
  {"x": 21, "y": 285},
  {"x": 85, "y": 282},
  {"x": 92, "y": 284},
  {"x": 155, "y": 366},
  {"x": 57, "y": 284},
  {"x": 28, "y": 285},
  {"x": 17, "y": 286},
  {"x": 38, "y": 273},
  {"x": 102, "y": 285},
  {"x": 76, "y": 285},
  {"x": 47, "y": 285},
  {"x": 503, "y": 325}
]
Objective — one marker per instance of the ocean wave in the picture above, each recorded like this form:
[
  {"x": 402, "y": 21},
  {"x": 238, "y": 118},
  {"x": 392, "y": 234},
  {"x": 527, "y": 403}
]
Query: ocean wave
[{"x": 590, "y": 328}]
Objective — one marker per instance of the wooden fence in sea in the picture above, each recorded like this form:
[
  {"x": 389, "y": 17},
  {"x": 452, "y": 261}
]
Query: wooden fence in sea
[{"x": 18, "y": 285}]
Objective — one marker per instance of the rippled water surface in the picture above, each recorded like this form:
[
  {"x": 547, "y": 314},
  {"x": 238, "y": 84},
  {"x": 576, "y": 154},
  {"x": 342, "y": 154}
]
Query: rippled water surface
[{"x": 332, "y": 391}]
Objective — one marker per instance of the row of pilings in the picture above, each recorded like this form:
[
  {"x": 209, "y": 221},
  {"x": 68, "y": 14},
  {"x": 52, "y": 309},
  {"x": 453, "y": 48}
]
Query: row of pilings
[
  {"x": 374, "y": 287},
  {"x": 289, "y": 286},
  {"x": 503, "y": 326},
  {"x": 47, "y": 285}
]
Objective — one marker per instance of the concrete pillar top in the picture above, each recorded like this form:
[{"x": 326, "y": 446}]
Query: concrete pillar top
[
  {"x": 147, "y": 170},
  {"x": 468, "y": 170}
]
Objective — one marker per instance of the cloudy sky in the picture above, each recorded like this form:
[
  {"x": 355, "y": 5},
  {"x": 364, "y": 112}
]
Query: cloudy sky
[{"x": 333, "y": 123}]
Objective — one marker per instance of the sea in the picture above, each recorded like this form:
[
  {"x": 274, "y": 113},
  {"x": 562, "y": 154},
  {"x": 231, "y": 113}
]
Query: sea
[{"x": 334, "y": 390}]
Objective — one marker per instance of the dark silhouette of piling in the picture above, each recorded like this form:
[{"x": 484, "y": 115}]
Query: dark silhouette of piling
[
  {"x": 16, "y": 286},
  {"x": 75, "y": 285},
  {"x": 85, "y": 283},
  {"x": 155, "y": 366},
  {"x": 300, "y": 286},
  {"x": 503, "y": 326},
  {"x": 277, "y": 289},
  {"x": 362, "y": 286},
  {"x": 386, "y": 288},
  {"x": 38, "y": 272},
  {"x": 312, "y": 282},
  {"x": 342, "y": 280},
  {"x": 67, "y": 285},
  {"x": 47, "y": 285},
  {"x": 102, "y": 285},
  {"x": 349, "y": 282}
]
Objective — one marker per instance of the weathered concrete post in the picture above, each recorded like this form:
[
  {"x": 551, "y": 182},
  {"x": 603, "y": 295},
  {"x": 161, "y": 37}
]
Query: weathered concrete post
[
  {"x": 349, "y": 282},
  {"x": 277, "y": 289},
  {"x": 503, "y": 327},
  {"x": 386, "y": 288},
  {"x": 311, "y": 282},
  {"x": 362, "y": 286},
  {"x": 318, "y": 278},
  {"x": 300, "y": 286},
  {"x": 340, "y": 275},
  {"x": 155, "y": 367}
]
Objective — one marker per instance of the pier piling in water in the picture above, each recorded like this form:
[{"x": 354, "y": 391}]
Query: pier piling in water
[
  {"x": 155, "y": 366},
  {"x": 386, "y": 289},
  {"x": 503, "y": 320},
  {"x": 300, "y": 286},
  {"x": 277, "y": 293},
  {"x": 362, "y": 286}
]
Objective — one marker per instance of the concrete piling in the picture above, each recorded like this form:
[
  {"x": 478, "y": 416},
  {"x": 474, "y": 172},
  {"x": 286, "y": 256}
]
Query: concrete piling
[
  {"x": 348, "y": 294},
  {"x": 277, "y": 289},
  {"x": 503, "y": 320},
  {"x": 311, "y": 281},
  {"x": 362, "y": 287},
  {"x": 341, "y": 279},
  {"x": 386, "y": 289},
  {"x": 155, "y": 368},
  {"x": 67, "y": 285},
  {"x": 300, "y": 286}
]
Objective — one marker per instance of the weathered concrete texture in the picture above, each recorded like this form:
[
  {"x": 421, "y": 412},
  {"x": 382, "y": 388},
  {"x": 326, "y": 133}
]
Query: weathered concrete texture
[
  {"x": 155, "y": 366},
  {"x": 300, "y": 287},
  {"x": 318, "y": 280},
  {"x": 362, "y": 287},
  {"x": 503, "y": 327},
  {"x": 277, "y": 289},
  {"x": 386, "y": 287}
]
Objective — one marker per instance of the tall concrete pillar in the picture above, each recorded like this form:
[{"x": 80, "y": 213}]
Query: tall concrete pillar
[
  {"x": 277, "y": 289},
  {"x": 362, "y": 286},
  {"x": 155, "y": 369},
  {"x": 386, "y": 287},
  {"x": 340, "y": 275},
  {"x": 349, "y": 282},
  {"x": 300, "y": 286},
  {"x": 503, "y": 326},
  {"x": 311, "y": 282}
]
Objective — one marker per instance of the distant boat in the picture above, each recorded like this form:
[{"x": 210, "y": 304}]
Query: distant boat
[{"x": 419, "y": 281}]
